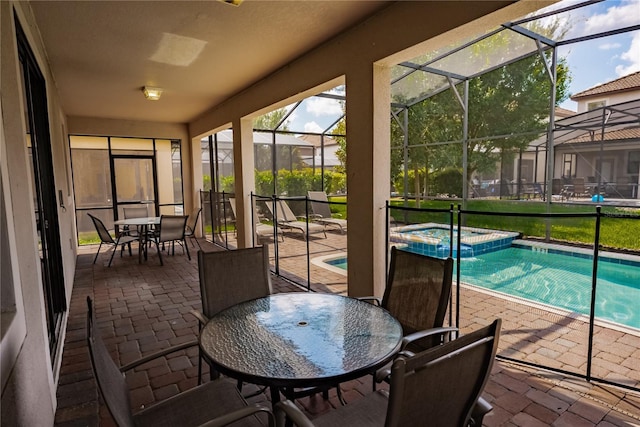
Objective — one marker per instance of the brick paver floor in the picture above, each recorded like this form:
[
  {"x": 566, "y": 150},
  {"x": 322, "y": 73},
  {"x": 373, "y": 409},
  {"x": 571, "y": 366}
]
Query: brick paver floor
[{"x": 144, "y": 307}]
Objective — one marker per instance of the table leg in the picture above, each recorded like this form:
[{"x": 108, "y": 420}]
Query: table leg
[
  {"x": 142, "y": 243},
  {"x": 275, "y": 395}
]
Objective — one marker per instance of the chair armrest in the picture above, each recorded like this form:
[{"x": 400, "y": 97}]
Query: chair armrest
[
  {"x": 426, "y": 333},
  {"x": 157, "y": 354},
  {"x": 288, "y": 409},
  {"x": 202, "y": 319},
  {"x": 373, "y": 300},
  {"x": 385, "y": 373},
  {"x": 239, "y": 414}
]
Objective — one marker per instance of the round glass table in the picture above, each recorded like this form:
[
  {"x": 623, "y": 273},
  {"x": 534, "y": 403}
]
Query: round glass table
[{"x": 293, "y": 340}]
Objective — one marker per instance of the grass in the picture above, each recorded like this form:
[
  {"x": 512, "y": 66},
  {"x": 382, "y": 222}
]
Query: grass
[{"x": 615, "y": 232}]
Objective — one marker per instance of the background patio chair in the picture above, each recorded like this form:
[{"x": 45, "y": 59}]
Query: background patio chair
[
  {"x": 171, "y": 230},
  {"x": 437, "y": 387},
  {"x": 107, "y": 239},
  {"x": 217, "y": 400},
  {"x": 322, "y": 211},
  {"x": 286, "y": 219},
  {"x": 261, "y": 229},
  {"x": 133, "y": 212},
  {"x": 231, "y": 277},
  {"x": 417, "y": 294},
  {"x": 190, "y": 229}
]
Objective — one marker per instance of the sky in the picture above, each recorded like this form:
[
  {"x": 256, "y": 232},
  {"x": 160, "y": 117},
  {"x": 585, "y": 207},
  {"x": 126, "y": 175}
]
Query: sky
[
  {"x": 604, "y": 59},
  {"x": 591, "y": 62}
]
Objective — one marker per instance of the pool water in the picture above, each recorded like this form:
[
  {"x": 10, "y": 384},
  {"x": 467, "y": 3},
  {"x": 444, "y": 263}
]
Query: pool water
[
  {"x": 433, "y": 239},
  {"x": 559, "y": 280},
  {"x": 340, "y": 262},
  {"x": 555, "y": 279}
]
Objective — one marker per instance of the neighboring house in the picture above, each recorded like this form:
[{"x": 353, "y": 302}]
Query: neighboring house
[
  {"x": 602, "y": 142},
  {"x": 330, "y": 147},
  {"x": 599, "y": 144}
]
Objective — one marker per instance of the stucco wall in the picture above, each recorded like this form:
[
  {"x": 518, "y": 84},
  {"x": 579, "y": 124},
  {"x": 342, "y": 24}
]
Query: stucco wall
[{"x": 28, "y": 397}]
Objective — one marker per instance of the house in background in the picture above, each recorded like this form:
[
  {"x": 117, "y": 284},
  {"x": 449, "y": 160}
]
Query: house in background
[
  {"x": 323, "y": 144},
  {"x": 601, "y": 144}
]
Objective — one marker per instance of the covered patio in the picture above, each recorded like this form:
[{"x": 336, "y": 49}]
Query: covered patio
[
  {"x": 79, "y": 69},
  {"x": 145, "y": 307}
]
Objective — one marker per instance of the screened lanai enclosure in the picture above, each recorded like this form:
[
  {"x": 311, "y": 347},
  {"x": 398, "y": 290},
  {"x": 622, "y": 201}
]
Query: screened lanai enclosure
[
  {"x": 482, "y": 155},
  {"x": 480, "y": 119}
]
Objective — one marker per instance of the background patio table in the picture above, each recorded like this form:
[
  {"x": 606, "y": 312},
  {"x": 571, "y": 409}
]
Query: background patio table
[{"x": 143, "y": 223}]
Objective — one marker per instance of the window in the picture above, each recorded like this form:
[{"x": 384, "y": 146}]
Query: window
[
  {"x": 633, "y": 165},
  {"x": 569, "y": 165},
  {"x": 596, "y": 104}
]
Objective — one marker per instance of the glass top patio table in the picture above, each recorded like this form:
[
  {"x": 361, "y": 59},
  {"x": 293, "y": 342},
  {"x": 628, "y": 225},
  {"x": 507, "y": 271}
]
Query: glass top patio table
[
  {"x": 143, "y": 223},
  {"x": 300, "y": 339}
]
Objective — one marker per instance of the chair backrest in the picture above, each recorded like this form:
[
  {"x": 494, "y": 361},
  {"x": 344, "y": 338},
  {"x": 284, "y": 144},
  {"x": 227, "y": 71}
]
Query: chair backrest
[
  {"x": 319, "y": 203},
  {"x": 111, "y": 383},
  {"x": 538, "y": 187},
  {"x": 578, "y": 185},
  {"x": 172, "y": 227},
  {"x": 192, "y": 220},
  {"x": 442, "y": 384},
  {"x": 231, "y": 277},
  {"x": 284, "y": 212},
  {"x": 418, "y": 291},
  {"x": 104, "y": 234},
  {"x": 135, "y": 212}
]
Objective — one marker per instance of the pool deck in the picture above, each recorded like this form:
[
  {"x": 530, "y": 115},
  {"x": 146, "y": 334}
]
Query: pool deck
[{"x": 144, "y": 307}]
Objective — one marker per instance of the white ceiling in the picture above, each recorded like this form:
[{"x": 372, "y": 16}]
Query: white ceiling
[{"x": 200, "y": 52}]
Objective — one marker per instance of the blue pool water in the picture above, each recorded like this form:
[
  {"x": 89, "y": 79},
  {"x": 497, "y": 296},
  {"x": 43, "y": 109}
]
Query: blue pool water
[
  {"x": 434, "y": 239},
  {"x": 556, "y": 279}
]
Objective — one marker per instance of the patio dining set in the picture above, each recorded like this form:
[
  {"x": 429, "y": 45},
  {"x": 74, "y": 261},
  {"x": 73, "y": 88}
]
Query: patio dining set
[
  {"x": 137, "y": 226},
  {"x": 304, "y": 343}
]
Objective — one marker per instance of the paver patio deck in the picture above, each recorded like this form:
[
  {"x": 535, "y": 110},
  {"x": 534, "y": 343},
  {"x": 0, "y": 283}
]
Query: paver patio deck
[{"x": 144, "y": 307}]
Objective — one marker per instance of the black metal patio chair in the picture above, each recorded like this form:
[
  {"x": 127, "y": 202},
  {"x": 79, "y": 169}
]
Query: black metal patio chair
[
  {"x": 216, "y": 403},
  {"x": 106, "y": 238}
]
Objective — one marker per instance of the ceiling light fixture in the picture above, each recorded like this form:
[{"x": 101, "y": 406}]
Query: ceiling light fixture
[
  {"x": 152, "y": 93},
  {"x": 232, "y": 2}
]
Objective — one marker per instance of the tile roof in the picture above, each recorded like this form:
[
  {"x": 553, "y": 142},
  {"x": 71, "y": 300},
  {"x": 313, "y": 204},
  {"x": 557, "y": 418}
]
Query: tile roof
[
  {"x": 623, "y": 84},
  {"x": 563, "y": 112},
  {"x": 616, "y": 135}
]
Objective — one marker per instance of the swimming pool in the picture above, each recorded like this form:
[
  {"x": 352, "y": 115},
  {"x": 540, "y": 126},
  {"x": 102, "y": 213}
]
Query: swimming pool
[
  {"x": 550, "y": 275},
  {"x": 433, "y": 239}
]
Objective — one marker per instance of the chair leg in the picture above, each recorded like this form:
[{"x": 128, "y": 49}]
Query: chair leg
[
  {"x": 97, "y": 253},
  {"x": 193, "y": 237},
  {"x": 159, "y": 251},
  {"x": 186, "y": 248},
  {"x": 115, "y": 248}
]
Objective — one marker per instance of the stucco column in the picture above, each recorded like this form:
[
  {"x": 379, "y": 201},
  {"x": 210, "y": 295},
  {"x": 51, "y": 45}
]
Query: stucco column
[
  {"x": 368, "y": 169},
  {"x": 243, "y": 169}
]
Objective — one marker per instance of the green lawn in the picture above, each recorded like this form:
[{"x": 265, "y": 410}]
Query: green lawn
[{"x": 615, "y": 233}]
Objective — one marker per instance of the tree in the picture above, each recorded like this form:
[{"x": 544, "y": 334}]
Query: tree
[
  {"x": 341, "y": 153},
  {"x": 508, "y": 107},
  {"x": 272, "y": 119}
]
